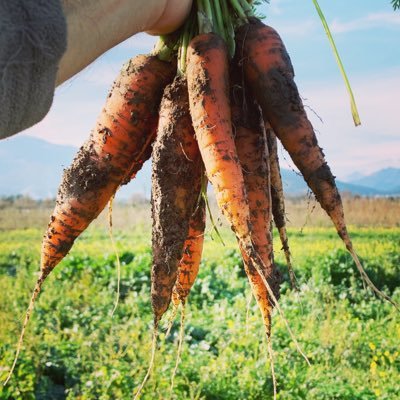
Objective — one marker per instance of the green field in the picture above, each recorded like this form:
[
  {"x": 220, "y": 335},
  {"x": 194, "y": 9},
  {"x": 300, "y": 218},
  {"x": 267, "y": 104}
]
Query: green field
[{"x": 74, "y": 349}]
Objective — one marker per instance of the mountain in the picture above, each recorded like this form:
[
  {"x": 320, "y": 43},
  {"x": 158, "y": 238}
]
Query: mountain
[
  {"x": 294, "y": 185},
  {"x": 384, "y": 180},
  {"x": 34, "y": 167}
]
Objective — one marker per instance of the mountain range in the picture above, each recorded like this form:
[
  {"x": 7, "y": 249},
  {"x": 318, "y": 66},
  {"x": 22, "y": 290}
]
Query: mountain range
[{"x": 34, "y": 167}]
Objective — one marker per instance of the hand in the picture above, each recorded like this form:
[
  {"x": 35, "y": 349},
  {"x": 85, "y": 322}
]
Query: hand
[
  {"x": 95, "y": 26},
  {"x": 172, "y": 17}
]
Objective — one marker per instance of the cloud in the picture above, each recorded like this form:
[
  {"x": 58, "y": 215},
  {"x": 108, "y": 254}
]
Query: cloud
[
  {"x": 297, "y": 29},
  {"x": 370, "y": 21},
  {"x": 101, "y": 74},
  {"x": 373, "y": 145},
  {"x": 140, "y": 42},
  {"x": 275, "y": 7}
]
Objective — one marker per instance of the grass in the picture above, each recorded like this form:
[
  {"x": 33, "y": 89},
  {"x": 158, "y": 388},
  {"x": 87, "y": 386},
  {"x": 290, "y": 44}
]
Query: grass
[{"x": 75, "y": 350}]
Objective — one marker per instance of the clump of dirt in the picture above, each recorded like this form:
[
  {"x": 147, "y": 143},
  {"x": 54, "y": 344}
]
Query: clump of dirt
[{"x": 85, "y": 175}]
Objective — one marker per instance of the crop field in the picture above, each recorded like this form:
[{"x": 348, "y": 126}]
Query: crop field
[{"x": 75, "y": 349}]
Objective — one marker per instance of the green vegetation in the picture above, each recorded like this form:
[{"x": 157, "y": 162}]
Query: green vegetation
[{"x": 75, "y": 350}]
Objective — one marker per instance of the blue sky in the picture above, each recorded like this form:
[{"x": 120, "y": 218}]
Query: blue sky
[{"x": 367, "y": 35}]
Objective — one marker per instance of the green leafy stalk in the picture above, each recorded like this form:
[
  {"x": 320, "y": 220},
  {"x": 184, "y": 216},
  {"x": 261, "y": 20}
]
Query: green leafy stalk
[
  {"x": 218, "y": 17},
  {"x": 162, "y": 51},
  {"x": 228, "y": 25},
  {"x": 247, "y": 9},
  {"x": 354, "y": 110},
  {"x": 238, "y": 9},
  {"x": 183, "y": 52}
]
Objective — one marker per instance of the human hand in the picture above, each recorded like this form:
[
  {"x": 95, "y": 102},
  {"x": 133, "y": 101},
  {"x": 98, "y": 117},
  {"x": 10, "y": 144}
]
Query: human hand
[
  {"x": 95, "y": 26},
  {"x": 30, "y": 74},
  {"x": 173, "y": 15}
]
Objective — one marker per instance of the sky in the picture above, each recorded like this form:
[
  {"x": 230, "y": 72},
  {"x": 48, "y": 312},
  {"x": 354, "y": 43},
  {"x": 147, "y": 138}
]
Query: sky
[{"x": 367, "y": 35}]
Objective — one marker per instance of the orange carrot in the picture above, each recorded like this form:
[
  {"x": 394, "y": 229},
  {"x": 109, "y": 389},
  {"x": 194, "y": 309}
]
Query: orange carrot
[
  {"x": 191, "y": 256},
  {"x": 208, "y": 84},
  {"x": 118, "y": 142},
  {"x": 252, "y": 149},
  {"x": 269, "y": 74},
  {"x": 278, "y": 199},
  {"x": 176, "y": 182},
  {"x": 121, "y": 136}
]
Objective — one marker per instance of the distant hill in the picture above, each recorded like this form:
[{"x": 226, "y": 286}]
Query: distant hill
[
  {"x": 34, "y": 167},
  {"x": 294, "y": 185},
  {"x": 384, "y": 180}
]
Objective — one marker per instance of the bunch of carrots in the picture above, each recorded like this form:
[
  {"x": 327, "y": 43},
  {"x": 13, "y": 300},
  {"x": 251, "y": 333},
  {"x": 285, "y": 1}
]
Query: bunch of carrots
[{"x": 208, "y": 104}]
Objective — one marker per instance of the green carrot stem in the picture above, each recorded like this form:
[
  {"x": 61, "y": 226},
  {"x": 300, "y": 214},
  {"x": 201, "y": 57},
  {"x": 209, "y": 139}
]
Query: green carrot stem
[
  {"x": 354, "y": 111},
  {"x": 218, "y": 18},
  {"x": 204, "y": 21},
  {"x": 228, "y": 25},
  {"x": 238, "y": 8},
  {"x": 209, "y": 11},
  {"x": 162, "y": 51},
  {"x": 185, "y": 43},
  {"x": 246, "y": 8}
]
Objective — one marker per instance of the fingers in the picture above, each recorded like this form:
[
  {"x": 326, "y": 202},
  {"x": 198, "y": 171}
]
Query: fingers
[{"x": 173, "y": 16}]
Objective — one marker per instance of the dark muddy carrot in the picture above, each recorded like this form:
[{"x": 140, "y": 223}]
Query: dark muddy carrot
[
  {"x": 269, "y": 74},
  {"x": 176, "y": 171},
  {"x": 176, "y": 182}
]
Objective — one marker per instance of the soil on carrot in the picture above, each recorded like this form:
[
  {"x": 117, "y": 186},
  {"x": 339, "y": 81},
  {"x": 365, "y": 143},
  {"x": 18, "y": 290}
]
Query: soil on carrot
[
  {"x": 176, "y": 163},
  {"x": 85, "y": 176}
]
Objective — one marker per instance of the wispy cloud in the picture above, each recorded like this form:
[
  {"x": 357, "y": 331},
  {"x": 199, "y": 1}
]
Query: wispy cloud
[
  {"x": 297, "y": 29},
  {"x": 373, "y": 145},
  {"x": 275, "y": 7},
  {"x": 140, "y": 42},
  {"x": 370, "y": 21},
  {"x": 103, "y": 75}
]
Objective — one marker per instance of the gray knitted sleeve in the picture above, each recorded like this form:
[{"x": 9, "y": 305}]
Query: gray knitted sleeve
[{"x": 33, "y": 37}]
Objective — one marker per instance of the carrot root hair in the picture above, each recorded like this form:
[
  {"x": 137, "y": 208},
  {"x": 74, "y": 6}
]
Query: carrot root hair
[
  {"x": 114, "y": 247},
  {"x": 257, "y": 261},
  {"x": 35, "y": 295},
  {"x": 368, "y": 281},
  {"x": 171, "y": 319},
  {"x": 180, "y": 347},
  {"x": 248, "y": 305},
  {"x": 288, "y": 257},
  {"x": 152, "y": 358},
  {"x": 271, "y": 360}
]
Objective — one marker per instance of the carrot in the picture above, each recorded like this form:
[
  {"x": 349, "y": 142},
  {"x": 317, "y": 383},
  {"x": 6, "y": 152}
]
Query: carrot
[
  {"x": 278, "y": 199},
  {"x": 176, "y": 171},
  {"x": 252, "y": 150},
  {"x": 187, "y": 273},
  {"x": 191, "y": 256},
  {"x": 117, "y": 144},
  {"x": 207, "y": 74},
  {"x": 121, "y": 136},
  {"x": 269, "y": 75},
  {"x": 176, "y": 182},
  {"x": 208, "y": 85}
]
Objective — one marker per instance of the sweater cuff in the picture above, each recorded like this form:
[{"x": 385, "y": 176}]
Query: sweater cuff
[{"x": 33, "y": 38}]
